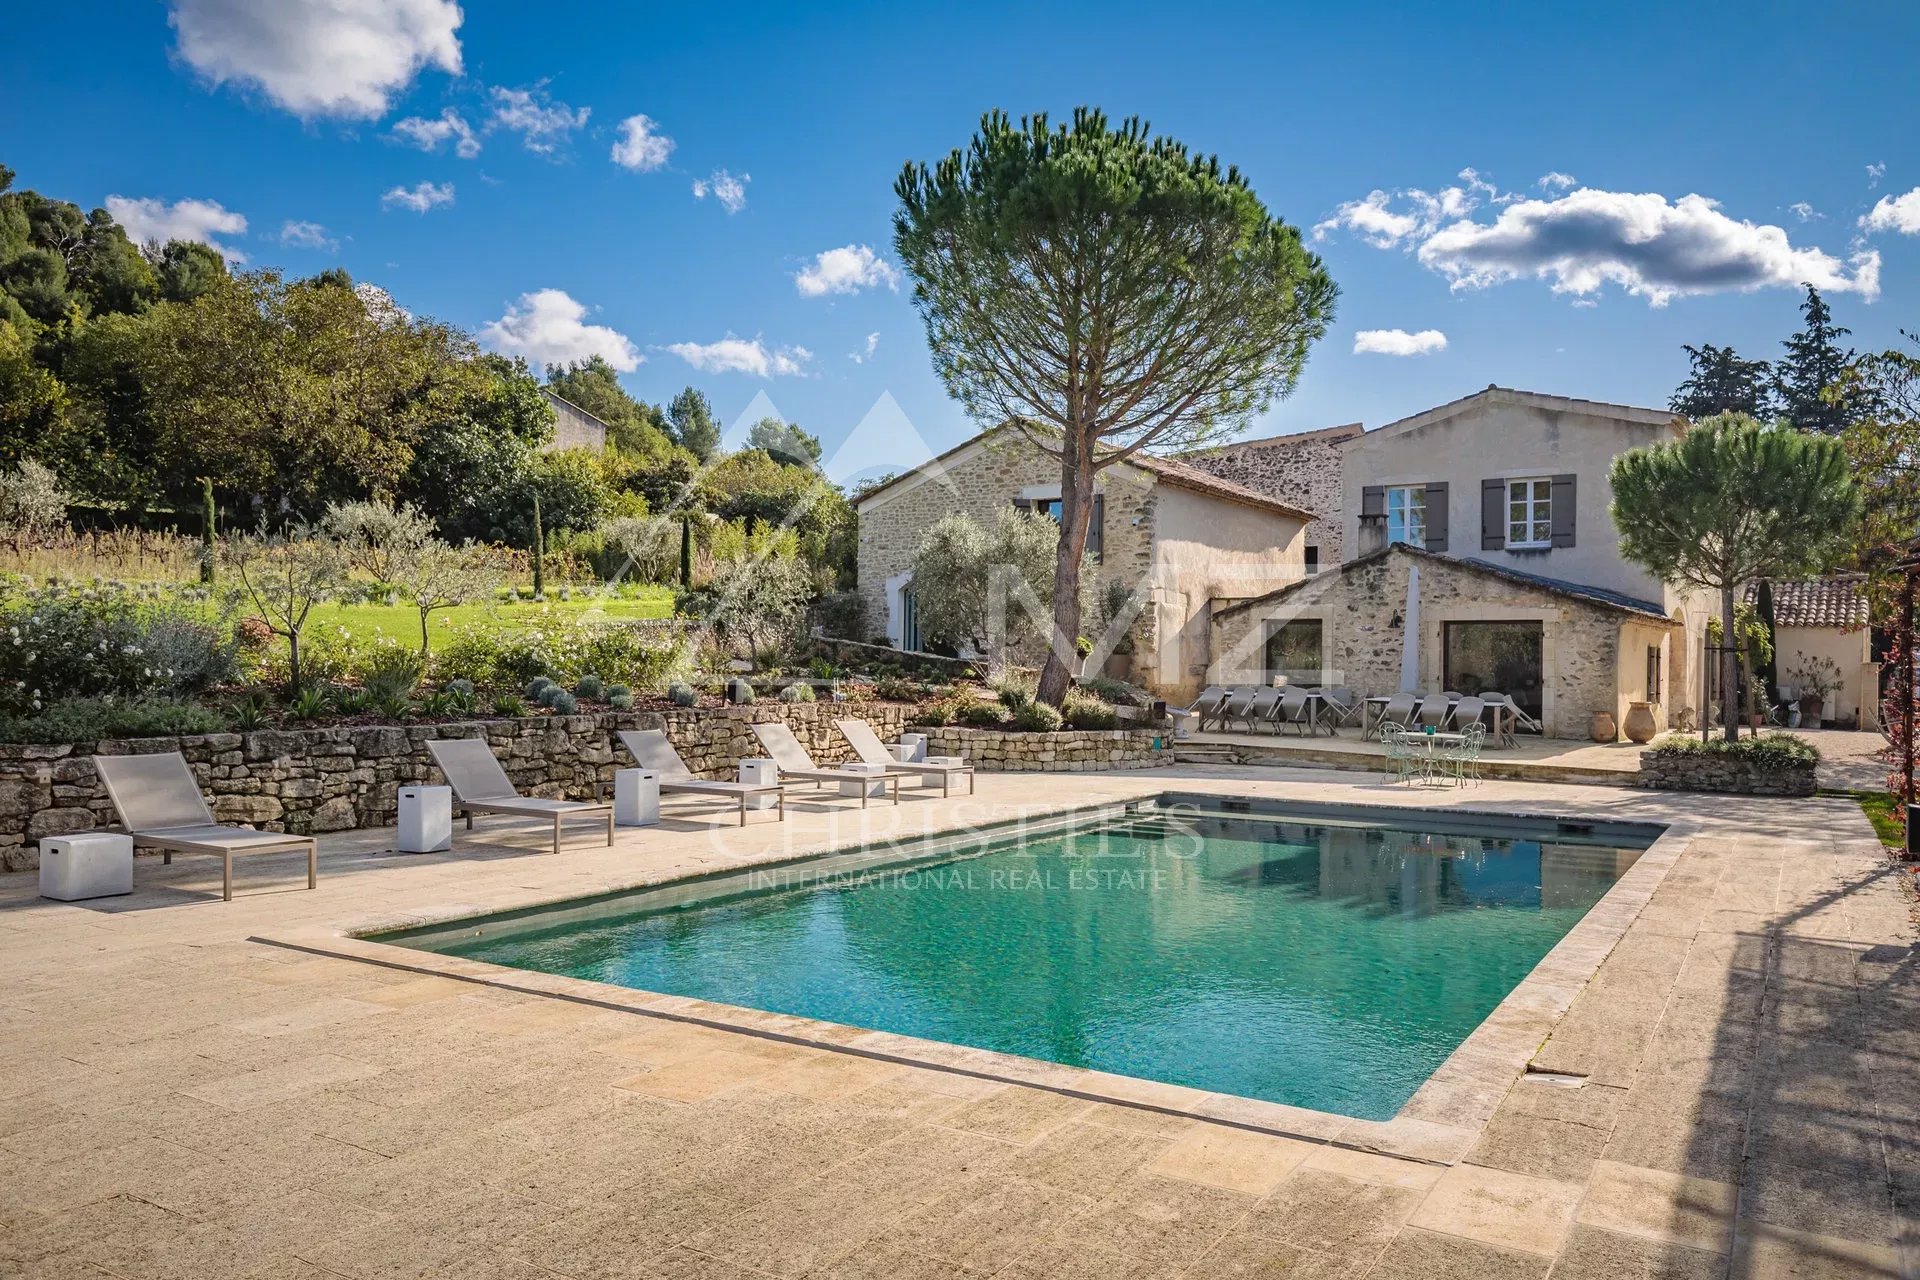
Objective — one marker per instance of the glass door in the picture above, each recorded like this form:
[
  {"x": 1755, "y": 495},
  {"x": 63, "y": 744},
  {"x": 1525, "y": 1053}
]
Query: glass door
[{"x": 1497, "y": 657}]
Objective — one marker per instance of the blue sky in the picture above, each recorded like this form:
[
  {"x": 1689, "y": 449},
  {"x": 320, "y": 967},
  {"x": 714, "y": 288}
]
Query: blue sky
[{"x": 292, "y": 118}]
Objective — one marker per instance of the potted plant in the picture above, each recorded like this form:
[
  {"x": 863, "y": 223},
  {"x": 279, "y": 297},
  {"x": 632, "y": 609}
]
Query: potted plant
[{"x": 1818, "y": 679}]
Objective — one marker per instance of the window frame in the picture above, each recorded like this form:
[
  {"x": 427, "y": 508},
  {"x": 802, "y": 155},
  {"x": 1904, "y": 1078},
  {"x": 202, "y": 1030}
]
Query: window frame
[
  {"x": 1538, "y": 507},
  {"x": 1407, "y": 507}
]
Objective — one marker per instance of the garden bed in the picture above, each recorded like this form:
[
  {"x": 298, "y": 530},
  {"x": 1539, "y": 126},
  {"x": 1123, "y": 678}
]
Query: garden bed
[{"x": 1776, "y": 764}]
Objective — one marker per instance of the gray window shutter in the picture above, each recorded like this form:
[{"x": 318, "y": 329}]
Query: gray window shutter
[
  {"x": 1373, "y": 502},
  {"x": 1493, "y": 515},
  {"x": 1436, "y": 517},
  {"x": 1097, "y": 528},
  {"x": 1563, "y": 499}
]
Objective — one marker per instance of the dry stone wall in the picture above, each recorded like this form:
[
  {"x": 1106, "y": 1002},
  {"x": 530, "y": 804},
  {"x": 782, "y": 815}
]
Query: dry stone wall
[
  {"x": 1069, "y": 751},
  {"x": 319, "y": 780},
  {"x": 1716, "y": 771}
]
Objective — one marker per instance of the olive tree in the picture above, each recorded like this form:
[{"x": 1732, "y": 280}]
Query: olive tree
[
  {"x": 1103, "y": 291},
  {"x": 282, "y": 574},
  {"x": 962, "y": 564},
  {"x": 376, "y": 535},
  {"x": 1728, "y": 503},
  {"x": 438, "y": 575}
]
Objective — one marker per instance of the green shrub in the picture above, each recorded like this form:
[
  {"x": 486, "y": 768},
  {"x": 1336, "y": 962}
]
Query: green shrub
[
  {"x": 108, "y": 641},
  {"x": 740, "y": 692},
  {"x": 249, "y": 713},
  {"x": 1117, "y": 692},
  {"x": 1013, "y": 694},
  {"x": 821, "y": 669},
  {"x": 682, "y": 694},
  {"x": 894, "y": 689},
  {"x": 1037, "y": 717},
  {"x": 537, "y": 686},
  {"x": 392, "y": 672},
  {"x": 620, "y": 698},
  {"x": 1085, "y": 711},
  {"x": 551, "y": 695},
  {"x": 1769, "y": 751},
  {"x": 310, "y": 703},
  {"x": 349, "y": 701},
  {"x": 797, "y": 693},
  {"x": 460, "y": 688},
  {"x": 91, "y": 719},
  {"x": 981, "y": 715},
  {"x": 562, "y": 702},
  {"x": 509, "y": 705},
  {"x": 589, "y": 687}
]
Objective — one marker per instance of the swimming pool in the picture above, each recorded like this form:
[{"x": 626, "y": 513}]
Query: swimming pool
[{"x": 1301, "y": 954}]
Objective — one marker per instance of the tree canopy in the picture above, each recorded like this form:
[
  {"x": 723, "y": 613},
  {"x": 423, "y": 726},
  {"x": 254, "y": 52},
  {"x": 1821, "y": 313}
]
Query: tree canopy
[
  {"x": 1730, "y": 502},
  {"x": 1104, "y": 291},
  {"x": 1808, "y": 378},
  {"x": 1719, "y": 381}
]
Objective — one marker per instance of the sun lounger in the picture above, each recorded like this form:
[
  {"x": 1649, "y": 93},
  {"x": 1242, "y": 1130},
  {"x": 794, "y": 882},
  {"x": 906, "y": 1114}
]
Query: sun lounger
[
  {"x": 652, "y": 749},
  {"x": 480, "y": 785},
  {"x": 791, "y": 760},
  {"x": 867, "y": 746},
  {"x": 159, "y": 803}
]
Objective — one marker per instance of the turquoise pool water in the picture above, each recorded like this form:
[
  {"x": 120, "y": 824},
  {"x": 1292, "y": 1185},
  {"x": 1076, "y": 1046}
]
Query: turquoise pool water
[{"x": 1325, "y": 964}]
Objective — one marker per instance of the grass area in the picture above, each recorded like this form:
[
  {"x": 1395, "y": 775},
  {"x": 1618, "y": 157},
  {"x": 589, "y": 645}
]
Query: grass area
[
  {"x": 1883, "y": 811},
  {"x": 401, "y": 622}
]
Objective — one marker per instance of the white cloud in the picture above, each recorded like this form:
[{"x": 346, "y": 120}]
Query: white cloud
[
  {"x": 1895, "y": 213},
  {"x": 730, "y": 191},
  {"x": 544, "y": 125},
  {"x": 1423, "y": 212},
  {"x": 420, "y": 197},
  {"x": 344, "y": 58},
  {"x": 429, "y": 134},
  {"x": 1804, "y": 211},
  {"x": 846, "y": 270},
  {"x": 548, "y": 327},
  {"x": 1584, "y": 239},
  {"x": 640, "y": 146},
  {"x": 1398, "y": 342},
  {"x": 1554, "y": 180},
  {"x": 1875, "y": 172},
  {"x": 306, "y": 235},
  {"x": 1649, "y": 246},
  {"x": 738, "y": 355},
  {"x": 861, "y": 357},
  {"x": 202, "y": 220}
]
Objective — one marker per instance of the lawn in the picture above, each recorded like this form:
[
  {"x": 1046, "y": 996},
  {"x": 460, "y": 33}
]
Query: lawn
[
  {"x": 1884, "y": 813},
  {"x": 366, "y": 621}
]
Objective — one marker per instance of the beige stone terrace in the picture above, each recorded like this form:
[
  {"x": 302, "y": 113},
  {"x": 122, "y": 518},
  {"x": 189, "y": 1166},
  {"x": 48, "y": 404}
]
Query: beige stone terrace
[{"x": 184, "y": 1100}]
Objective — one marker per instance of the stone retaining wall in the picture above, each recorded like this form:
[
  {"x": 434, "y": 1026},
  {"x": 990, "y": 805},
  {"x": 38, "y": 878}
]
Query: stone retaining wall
[
  {"x": 1714, "y": 771},
  {"x": 1068, "y": 751},
  {"x": 336, "y": 779}
]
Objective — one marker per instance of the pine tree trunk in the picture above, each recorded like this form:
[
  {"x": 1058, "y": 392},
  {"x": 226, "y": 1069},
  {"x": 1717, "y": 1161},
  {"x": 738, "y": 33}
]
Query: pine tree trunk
[
  {"x": 1729, "y": 667},
  {"x": 1076, "y": 510}
]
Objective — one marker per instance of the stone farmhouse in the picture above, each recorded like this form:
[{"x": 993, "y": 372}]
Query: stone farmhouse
[
  {"x": 1466, "y": 548},
  {"x": 1192, "y": 540}
]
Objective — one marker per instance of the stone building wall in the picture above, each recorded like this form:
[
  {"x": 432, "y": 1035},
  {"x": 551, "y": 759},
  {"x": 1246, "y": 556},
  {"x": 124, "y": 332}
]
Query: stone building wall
[
  {"x": 981, "y": 482},
  {"x": 573, "y": 427},
  {"x": 1361, "y": 644},
  {"x": 318, "y": 780},
  {"x": 1304, "y": 470}
]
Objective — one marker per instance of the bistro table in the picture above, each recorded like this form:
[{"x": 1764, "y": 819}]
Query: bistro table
[{"x": 1436, "y": 743}]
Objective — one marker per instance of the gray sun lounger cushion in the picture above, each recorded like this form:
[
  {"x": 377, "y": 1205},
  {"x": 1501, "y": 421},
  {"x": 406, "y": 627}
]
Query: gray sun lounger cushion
[
  {"x": 867, "y": 746},
  {"x": 791, "y": 759},
  {"x": 158, "y": 801},
  {"x": 480, "y": 785},
  {"x": 655, "y": 753}
]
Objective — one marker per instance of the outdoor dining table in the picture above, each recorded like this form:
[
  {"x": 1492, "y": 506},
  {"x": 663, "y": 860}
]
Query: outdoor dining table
[{"x": 1435, "y": 742}]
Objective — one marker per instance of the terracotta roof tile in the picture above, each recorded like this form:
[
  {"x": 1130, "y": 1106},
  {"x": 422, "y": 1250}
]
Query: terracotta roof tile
[{"x": 1824, "y": 602}]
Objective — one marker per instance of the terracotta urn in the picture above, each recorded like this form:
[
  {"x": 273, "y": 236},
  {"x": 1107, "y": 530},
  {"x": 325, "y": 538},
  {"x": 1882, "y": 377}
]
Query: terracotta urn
[
  {"x": 1602, "y": 729},
  {"x": 1639, "y": 726}
]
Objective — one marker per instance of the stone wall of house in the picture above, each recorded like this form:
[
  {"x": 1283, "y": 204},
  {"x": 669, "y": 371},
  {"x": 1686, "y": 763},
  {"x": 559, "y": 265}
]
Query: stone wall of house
[
  {"x": 1362, "y": 611},
  {"x": 574, "y": 427},
  {"x": 319, "y": 780},
  {"x": 1069, "y": 751},
  {"x": 981, "y": 483},
  {"x": 1715, "y": 771},
  {"x": 1303, "y": 470}
]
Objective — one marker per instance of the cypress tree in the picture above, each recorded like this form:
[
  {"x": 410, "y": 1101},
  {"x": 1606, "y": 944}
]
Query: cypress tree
[
  {"x": 686, "y": 551},
  {"x": 207, "y": 516}
]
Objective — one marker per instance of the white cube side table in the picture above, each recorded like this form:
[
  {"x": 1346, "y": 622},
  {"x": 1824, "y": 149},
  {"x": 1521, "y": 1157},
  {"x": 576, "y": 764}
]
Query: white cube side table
[
  {"x": 872, "y": 780},
  {"x": 636, "y": 798},
  {"x": 911, "y": 749},
  {"x": 95, "y": 864},
  {"x": 426, "y": 820},
  {"x": 760, "y": 773},
  {"x": 934, "y": 779}
]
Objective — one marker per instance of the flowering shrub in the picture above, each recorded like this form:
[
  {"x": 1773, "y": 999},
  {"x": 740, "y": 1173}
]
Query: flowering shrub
[
  {"x": 56, "y": 644},
  {"x": 563, "y": 650}
]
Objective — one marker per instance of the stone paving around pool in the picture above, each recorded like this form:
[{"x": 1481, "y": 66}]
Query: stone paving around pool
[{"x": 184, "y": 1099}]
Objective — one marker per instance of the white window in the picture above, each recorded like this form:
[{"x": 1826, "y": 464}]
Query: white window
[
  {"x": 1529, "y": 514},
  {"x": 1407, "y": 515}
]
